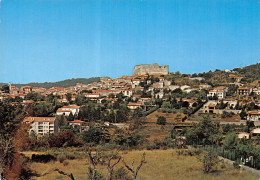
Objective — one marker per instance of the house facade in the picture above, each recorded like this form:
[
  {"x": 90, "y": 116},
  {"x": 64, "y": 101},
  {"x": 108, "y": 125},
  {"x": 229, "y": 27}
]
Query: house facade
[
  {"x": 43, "y": 125},
  {"x": 253, "y": 115},
  {"x": 244, "y": 91}
]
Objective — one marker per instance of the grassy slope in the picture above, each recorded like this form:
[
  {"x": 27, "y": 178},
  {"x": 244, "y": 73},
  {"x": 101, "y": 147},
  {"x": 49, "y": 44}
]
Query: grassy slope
[{"x": 161, "y": 164}]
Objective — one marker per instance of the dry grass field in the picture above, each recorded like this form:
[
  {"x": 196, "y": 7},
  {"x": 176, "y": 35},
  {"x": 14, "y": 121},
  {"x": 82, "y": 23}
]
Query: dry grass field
[{"x": 160, "y": 165}]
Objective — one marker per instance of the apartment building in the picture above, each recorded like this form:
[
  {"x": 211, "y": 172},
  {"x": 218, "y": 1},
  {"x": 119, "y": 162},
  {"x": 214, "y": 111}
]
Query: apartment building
[
  {"x": 43, "y": 125},
  {"x": 244, "y": 91}
]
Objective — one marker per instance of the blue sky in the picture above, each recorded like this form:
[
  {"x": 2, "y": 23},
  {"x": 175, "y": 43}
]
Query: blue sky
[{"x": 51, "y": 40}]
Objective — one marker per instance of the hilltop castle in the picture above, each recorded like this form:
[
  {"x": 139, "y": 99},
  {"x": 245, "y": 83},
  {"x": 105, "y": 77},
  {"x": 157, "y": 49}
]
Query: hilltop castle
[{"x": 152, "y": 69}]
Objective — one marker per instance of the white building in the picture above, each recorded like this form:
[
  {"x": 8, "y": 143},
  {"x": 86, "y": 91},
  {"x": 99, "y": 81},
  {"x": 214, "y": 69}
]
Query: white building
[
  {"x": 60, "y": 111},
  {"x": 92, "y": 96},
  {"x": 43, "y": 125},
  {"x": 74, "y": 109},
  {"x": 243, "y": 135},
  {"x": 221, "y": 94},
  {"x": 253, "y": 115}
]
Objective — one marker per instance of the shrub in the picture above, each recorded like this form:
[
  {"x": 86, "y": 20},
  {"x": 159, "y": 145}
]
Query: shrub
[
  {"x": 61, "y": 157},
  {"x": 44, "y": 158},
  {"x": 161, "y": 120},
  {"x": 209, "y": 160},
  {"x": 98, "y": 175},
  {"x": 120, "y": 173},
  {"x": 236, "y": 164},
  {"x": 65, "y": 163}
]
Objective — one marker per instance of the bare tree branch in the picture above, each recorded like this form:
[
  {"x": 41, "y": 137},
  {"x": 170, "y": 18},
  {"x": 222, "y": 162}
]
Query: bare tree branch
[
  {"x": 70, "y": 175},
  {"x": 134, "y": 173}
]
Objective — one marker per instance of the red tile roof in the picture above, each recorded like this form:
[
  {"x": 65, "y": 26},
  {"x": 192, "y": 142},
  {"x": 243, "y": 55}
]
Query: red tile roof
[
  {"x": 71, "y": 107},
  {"x": 39, "y": 119},
  {"x": 77, "y": 121}
]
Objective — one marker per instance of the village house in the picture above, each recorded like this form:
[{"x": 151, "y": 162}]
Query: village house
[
  {"x": 244, "y": 91},
  {"x": 173, "y": 87},
  {"x": 136, "y": 97},
  {"x": 92, "y": 96},
  {"x": 221, "y": 94},
  {"x": 61, "y": 111},
  {"x": 134, "y": 105},
  {"x": 80, "y": 124},
  {"x": 256, "y": 91},
  {"x": 243, "y": 135},
  {"x": 197, "y": 78},
  {"x": 102, "y": 92},
  {"x": 127, "y": 92},
  {"x": 204, "y": 86},
  {"x": 185, "y": 87},
  {"x": 209, "y": 107},
  {"x": 43, "y": 125},
  {"x": 253, "y": 115},
  {"x": 159, "y": 95},
  {"x": 255, "y": 132},
  {"x": 26, "y": 89},
  {"x": 13, "y": 90},
  {"x": 67, "y": 110}
]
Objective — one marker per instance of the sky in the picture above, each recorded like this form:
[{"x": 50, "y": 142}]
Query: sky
[{"x": 52, "y": 40}]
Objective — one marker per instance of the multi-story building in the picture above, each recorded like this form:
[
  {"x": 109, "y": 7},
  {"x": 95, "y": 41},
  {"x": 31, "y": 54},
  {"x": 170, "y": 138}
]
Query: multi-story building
[
  {"x": 219, "y": 93},
  {"x": 253, "y": 115},
  {"x": 43, "y": 125},
  {"x": 66, "y": 110},
  {"x": 244, "y": 91}
]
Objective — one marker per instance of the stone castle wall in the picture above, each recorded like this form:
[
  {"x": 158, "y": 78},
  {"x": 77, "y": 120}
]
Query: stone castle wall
[{"x": 152, "y": 69}]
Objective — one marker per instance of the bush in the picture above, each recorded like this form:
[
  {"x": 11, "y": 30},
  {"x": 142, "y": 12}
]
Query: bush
[
  {"x": 227, "y": 114},
  {"x": 236, "y": 164},
  {"x": 161, "y": 120},
  {"x": 209, "y": 160},
  {"x": 98, "y": 175},
  {"x": 120, "y": 173},
  {"x": 61, "y": 157},
  {"x": 65, "y": 163},
  {"x": 43, "y": 158}
]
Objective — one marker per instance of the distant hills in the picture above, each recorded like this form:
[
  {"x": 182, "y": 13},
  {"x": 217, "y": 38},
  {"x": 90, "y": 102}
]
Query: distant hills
[
  {"x": 64, "y": 83},
  {"x": 251, "y": 71}
]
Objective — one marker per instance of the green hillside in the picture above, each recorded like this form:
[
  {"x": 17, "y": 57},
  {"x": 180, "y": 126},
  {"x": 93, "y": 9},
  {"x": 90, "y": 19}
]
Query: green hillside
[
  {"x": 251, "y": 71},
  {"x": 64, "y": 83}
]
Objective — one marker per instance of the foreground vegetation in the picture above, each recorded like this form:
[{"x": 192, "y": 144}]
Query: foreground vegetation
[{"x": 159, "y": 164}]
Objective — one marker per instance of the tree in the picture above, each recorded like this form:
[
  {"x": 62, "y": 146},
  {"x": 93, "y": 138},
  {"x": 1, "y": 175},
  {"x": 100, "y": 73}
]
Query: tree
[
  {"x": 230, "y": 141},
  {"x": 35, "y": 97},
  {"x": 166, "y": 105},
  {"x": 94, "y": 159},
  {"x": 209, "y": 160},
  {"x": 161, "y": 120},
  {"x": 132, "y": 170},
  {"x": 80, "y": 99},
  {"x": 95, "y": 135},
  {"x": 136, "y": 122},
  {"x": 243, "y": 114},
  {"x": 173, "y": 133},
  {"x": 202, "y": 132},
  {"x": 70, "y": 117},
  {"x": 5, "y": 89},
  {"x": 10, "y": 120},
  {"x": 68, "y": 96},
  {"x": 107, "y": 160}
]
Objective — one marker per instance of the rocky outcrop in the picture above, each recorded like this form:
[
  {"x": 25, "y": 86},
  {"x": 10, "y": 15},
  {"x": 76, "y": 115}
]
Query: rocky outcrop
[{"x": 151, "y": 69}]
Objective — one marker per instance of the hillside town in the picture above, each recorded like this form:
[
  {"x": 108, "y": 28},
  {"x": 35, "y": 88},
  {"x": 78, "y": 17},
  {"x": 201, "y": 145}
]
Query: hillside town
[
  {"x": 150, "y": 109},
  {"x": 150, "y": 87}
]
